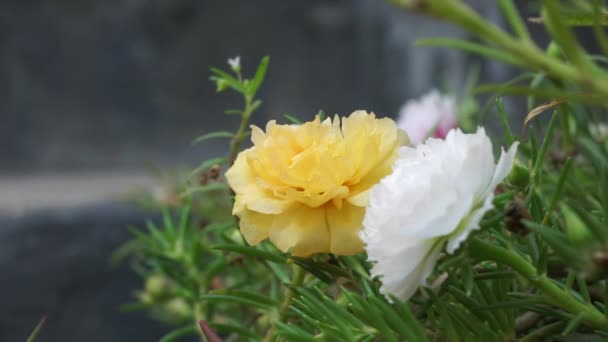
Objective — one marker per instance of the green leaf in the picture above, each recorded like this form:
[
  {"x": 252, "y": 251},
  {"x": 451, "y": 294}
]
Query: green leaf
[
  {"x": 321, "y": 114},
  {"x": 595, "y": 226},
  {"x": 157, "y": 234},
  {"x": 292, "y": 119},
  {"x": 234, "y": 329},
  {"x": 174, "y": 335},
  {"x": 563, "y": 35},
  {"x": 167, "y": 221},
  {"x": 230, "y": 81},
  {"x": 145, "y": 239},
  {"x": 233, "y": 112},
  {"x": 294, "y": 333},
  {"x": 473, "y": 48},
  {"x": 600, "y": 33},
  {"x": 278, "y": 271},
  {"x": 557, "y": 240},
  {"x": 252, "y": 252},
  {"x": 323, "y": 270},
  {"x": 558, "y": 190},
  {"x": 212, "y": 135},
  {"x": 36, "y": 332},
  {"x": 207, "y": 164},
  {"x": 406, "y": 314},
  {"x": 594, "y": 152},
  {"x": 547, "y": 140},
  {"x": 394, "y": 320},
  {"x": 255, "y": 105},
  {"x": 260, "y": 73},
  {"x": 509, "y": 137},
  {"x": 573, "y": 324},
  {"x": 213, "y": 298},
  {"x": 512, "y": 304},
  {"x": 251, "y": 296},
  {"x": 584, "y": 291},
  {"x": 518, "y": 25},
  {"x": 204, "y": 189},
  {"x": 547, "y": 93},
  {"x": 467, "y": 278}
]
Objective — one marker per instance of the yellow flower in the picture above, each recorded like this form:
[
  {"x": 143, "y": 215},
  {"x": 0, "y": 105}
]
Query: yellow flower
[{"x": 306, "y": 186}]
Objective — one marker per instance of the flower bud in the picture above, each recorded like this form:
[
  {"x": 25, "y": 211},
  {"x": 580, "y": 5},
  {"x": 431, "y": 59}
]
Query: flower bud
[
  {"x": 519, "y": 176},
  {"x": 575, "y": 228},
  {"x": 221, "y": 85},
  {"x": 433, "y": 115},
  {"x": 156, "y": 286},
  {"x": 235, "y": 63},
  {"x": 145, "y": 298},
  {"x": 599, "y": 131},
  {"x": 178, "y": 309}
]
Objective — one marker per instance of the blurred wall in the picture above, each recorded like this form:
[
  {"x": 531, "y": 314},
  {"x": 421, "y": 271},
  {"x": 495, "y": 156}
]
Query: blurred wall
[{"x": 121, "y": 83}]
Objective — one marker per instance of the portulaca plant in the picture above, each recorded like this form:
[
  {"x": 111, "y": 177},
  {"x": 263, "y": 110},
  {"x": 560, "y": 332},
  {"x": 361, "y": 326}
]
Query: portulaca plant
[{"x": 401, "y": 227}]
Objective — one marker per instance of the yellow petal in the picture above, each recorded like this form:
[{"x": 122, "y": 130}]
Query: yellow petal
[
  {"x": 257, "y": 199},
  {"x": 243, "y": 181},
  {"x": 257, "y": 135},
  {"x": 301, "y": 229},
  {"x": 240, "y": 176},
  {"x": 361, "y": 199},
  {"x": 254, "y": 226},
  {"x": 345, "y": 225}
]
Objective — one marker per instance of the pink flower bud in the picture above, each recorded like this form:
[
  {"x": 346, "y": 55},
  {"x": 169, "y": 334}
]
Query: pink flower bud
[{"x": 433, "y": 115}]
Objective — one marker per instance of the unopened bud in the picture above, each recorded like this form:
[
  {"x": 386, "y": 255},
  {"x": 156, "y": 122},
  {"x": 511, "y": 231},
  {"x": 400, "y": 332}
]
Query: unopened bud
[
  {"x": 235, "y": 63},
  {"x": 145, "y": 298},
  {"x": 178, "y": 308},
  {"x": 519, "y": 176},
  {"x": 221, "y": 85},
  {"x": 157, "y": 285},
  {"x": 575, "y": 228}
]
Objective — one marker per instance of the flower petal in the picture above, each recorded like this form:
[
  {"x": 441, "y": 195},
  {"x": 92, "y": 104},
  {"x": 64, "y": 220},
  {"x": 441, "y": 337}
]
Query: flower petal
[
  {"x": 254, "y": 226},
  {"x": 302, "y": 229},
  {"x": 416, "y": 262},
  {"x": 436, "y": 195},
  {"x": 240, "y": 176},
  {"x": 504, "y": 166},
  {"x": 470, "y": 224},
  {"x": 344, "y": 227}
]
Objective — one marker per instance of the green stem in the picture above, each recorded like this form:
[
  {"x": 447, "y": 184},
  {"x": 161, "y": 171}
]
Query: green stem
[
  {"x": 512, "y": 15},
  {"x": 235, "y": 144},
  {"x": 483, "y": 250},
  {"x": 462, "y": 15},
  {"x": 297, "y": 279},
  {"x": 545, "y": 331}
]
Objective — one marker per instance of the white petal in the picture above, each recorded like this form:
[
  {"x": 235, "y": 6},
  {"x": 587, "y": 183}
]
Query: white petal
[
  {"x": 402, "y": 279},
  {"x": 438, "y": 191},
  {"x": 470, "y": 224},
  {"x": 504, "y": 166}
]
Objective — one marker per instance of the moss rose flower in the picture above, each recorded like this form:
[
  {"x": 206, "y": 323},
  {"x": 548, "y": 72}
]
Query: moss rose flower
[
  {"x": 433, "y": 115},
  {"x": 435, "y": 196},
  {"x": 306, "y": 186}
]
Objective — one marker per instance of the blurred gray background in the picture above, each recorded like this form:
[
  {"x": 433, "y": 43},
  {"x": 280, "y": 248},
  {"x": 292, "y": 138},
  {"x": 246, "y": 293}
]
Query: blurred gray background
[{"x": 94, "y": 94}]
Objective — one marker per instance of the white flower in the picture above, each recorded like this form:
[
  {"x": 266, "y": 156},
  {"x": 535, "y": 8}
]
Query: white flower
[
  {"x": 433, "y": 115},
  {"x": 435, "y": 196},
  {"x": 235, "y": 63},
  {"x": 599, "y": 131}
]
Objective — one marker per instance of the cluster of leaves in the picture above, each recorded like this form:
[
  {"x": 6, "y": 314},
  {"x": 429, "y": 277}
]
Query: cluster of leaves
[{"x": 536, "y": 270}]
